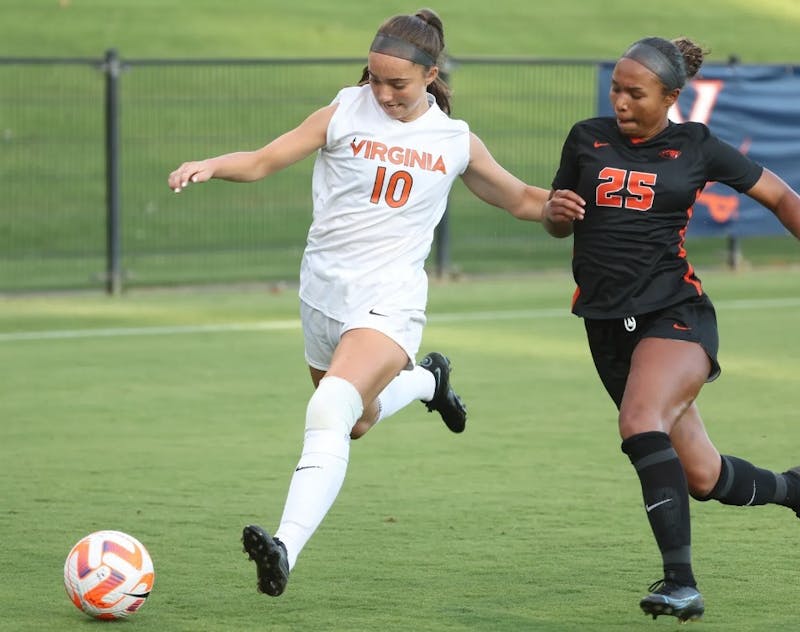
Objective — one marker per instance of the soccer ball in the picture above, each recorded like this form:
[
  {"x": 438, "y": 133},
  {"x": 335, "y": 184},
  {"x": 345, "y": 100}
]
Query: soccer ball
[{"x": 108, "y": 574}]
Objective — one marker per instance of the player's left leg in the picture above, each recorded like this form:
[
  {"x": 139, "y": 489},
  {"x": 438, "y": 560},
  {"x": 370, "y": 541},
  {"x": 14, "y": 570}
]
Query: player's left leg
[
  {"x": 729, "y": 479},
  {"x": 792, "y": 476},
  {"x": 444, "y": 399},
  {"x": 428, "y": 382}
]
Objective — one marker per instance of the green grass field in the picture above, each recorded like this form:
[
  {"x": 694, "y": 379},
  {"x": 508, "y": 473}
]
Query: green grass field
[
  {"x": 178, "y": 417},
  {"x": 765, "y": 32}
]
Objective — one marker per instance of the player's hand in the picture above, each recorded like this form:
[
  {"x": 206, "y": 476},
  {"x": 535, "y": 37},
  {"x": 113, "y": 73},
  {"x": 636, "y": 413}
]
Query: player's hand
[
  {"x": 190, "y": 172},
  {"x": 564, "y": 206}
]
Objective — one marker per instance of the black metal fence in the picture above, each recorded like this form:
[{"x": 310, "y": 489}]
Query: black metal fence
[{"x": 86, "y": 146}]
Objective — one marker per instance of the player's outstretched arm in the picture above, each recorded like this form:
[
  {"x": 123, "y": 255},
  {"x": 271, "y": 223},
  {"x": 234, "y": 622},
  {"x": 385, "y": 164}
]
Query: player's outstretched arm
[
  {"x": 248, "y": 166},
  {"x": 779, "y": 198},
  {"x": 493, "y": 184}
]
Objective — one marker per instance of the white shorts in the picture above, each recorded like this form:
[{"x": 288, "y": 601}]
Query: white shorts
[{"x": 322, "y": 333}]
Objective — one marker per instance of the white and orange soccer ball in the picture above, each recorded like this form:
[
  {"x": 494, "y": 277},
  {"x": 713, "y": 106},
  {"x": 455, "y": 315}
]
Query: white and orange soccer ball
[{"x": 108, "y": 574}]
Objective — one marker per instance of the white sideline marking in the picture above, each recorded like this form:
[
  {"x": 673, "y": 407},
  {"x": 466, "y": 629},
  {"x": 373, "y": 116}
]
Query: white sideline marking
[
  {"x": 114, "y": 332},
  {"x": 283, "y": 325}
]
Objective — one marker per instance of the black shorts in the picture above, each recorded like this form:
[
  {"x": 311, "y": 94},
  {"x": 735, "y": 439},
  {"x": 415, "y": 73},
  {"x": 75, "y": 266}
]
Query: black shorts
[{"x": 612, "y": 341}]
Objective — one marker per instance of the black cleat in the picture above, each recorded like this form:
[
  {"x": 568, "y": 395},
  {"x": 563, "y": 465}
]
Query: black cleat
[
  {"x": 793, "y": 477},
  {"x": 683, "y": 602},
  {"x": 269, "y": 554},
  {"x": 445, "y": 401}
]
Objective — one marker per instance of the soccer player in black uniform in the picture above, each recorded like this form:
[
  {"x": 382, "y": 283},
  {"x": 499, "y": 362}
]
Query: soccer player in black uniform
[{"x": 651, "y": 328}]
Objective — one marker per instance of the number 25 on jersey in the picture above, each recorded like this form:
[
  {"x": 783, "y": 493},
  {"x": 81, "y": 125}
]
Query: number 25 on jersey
[{"x": 636, "y": 185}]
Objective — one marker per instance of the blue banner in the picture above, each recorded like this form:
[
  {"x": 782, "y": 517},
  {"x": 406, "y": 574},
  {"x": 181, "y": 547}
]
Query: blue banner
[{"x": 757, "y": 110}]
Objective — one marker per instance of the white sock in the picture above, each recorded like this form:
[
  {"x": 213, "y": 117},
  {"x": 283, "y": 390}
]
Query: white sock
[
  {"x": 315, "y": 484},
  {"x": 407, "y": 387}
]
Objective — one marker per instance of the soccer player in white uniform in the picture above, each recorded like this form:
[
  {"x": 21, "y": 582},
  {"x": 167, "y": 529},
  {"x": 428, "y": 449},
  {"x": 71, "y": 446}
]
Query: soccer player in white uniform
[{"x": 387, "y": 156}]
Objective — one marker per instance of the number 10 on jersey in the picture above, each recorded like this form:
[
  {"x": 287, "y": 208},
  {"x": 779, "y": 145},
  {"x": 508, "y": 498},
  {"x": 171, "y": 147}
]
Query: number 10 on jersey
[{"x": 395, "y": 191}]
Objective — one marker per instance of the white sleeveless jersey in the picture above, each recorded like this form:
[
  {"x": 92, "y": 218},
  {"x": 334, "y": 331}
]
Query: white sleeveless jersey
[{"x": 380, "y": 187}]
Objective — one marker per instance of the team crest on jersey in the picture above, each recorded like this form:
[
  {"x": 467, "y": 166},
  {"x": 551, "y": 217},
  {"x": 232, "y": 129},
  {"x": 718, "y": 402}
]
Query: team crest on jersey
[
  {"x": 630, "y": 323},
  {"x": 669, "y": 154},
  {"x": 396, "y": 155}
]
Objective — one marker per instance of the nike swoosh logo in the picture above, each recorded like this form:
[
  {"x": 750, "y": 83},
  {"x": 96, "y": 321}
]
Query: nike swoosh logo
[
  {"x": 374, "y": 313},
  {"x": 137, "y": 595},
  {"x": 650, "y": 508},
  {"x": 753, "y": 497},
  {"x": 598, "y": 144},
  {"x": 681, "y": 327},
  {"x": 437, "y": 373},
  {"x": 308, "y": 467}
]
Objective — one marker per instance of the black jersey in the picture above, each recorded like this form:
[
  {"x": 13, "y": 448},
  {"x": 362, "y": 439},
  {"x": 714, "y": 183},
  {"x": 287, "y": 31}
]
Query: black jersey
[{"x": 629, "y": 255}]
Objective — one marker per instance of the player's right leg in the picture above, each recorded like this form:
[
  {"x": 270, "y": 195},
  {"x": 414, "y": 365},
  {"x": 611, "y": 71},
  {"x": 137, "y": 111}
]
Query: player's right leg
[
  {"x": 269, "y": 554},
  {"x": 669, "y": 598},
  {"x": 317, "y": 479},
  {"x": 645, "y": 396},
  {"x": 664, "y": 379},
  {"x": 364, "y": 362}
]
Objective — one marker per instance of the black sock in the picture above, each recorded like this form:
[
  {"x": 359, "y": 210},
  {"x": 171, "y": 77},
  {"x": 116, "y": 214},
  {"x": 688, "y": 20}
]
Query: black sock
[
  {"x": 743, "y": 484},
  {"x": 666, "y": 500}
]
